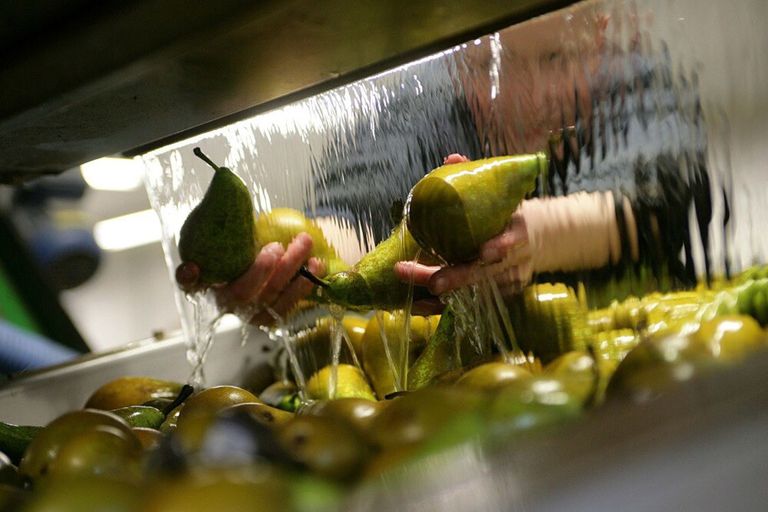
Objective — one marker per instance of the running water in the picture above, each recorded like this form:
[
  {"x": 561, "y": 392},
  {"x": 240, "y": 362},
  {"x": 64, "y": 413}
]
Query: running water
[
  {"x": 281, "y": 335},
  {"x": 199, "y": 345},
  {"x": 336, "y": 338},
  {"x": 393, "y": 366},
  {"x": 649, "y": 96}
]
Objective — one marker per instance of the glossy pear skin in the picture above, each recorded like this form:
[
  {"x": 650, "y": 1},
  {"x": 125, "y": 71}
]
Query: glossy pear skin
[
  {"x": 218, "y": 235},
  {"x": 456, "y": 208},
  {"x": 131, "y": 390},
  {"x": 283, "y": 224},
  {"x": 371, "y": 283}
]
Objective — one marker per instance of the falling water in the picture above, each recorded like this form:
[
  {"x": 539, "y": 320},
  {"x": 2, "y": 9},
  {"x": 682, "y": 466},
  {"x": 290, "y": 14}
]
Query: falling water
[
  {"x": 337, "y": 336},
  {"x": 393, "y": 366},
  {"x": 281, "y": 335},
  {"x": 199, "y": 346},
  {"x": 644, "y": 98}
]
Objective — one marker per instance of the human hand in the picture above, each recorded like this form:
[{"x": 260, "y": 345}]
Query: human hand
[
  {"x": 505, "y": 258},
  {"x": 271, "y": 284}
]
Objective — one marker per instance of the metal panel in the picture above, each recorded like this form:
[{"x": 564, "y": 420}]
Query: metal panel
[
  {"x": 130, "y": 75},
  {"x": 37, "y": 398}
]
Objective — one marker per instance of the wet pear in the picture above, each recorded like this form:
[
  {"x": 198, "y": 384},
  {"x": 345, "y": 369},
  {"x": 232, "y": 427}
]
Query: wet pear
[
  {"x": 356, "y": 412},
  {"x": 350, "y": 382},
  {"x": 283, "y": 224},
  {"x": 355, "y": 326},
  {"x": 537, "y": 402},
  {"x": 658, "y": 364},
  {"x": 131, "y": 390},
  {"x": 212, "y": 400},
  {"x": 199, "y": 412},
  {"x": 492, "y": 375},
  {"x": 383, "y": 363},
  {"x": 456, "y": 208},
  {"x": 313, "y": 345},
  {"x": 578, "y": 370},
  {"x": 248, "y": 488},
  {"x": 446, "y": 352},
  {"x": 549, "y": 320},
  {"x": 261, "y": 413},
  {"x": 329, "y": 448},
  {"x": 415, "y": 417},
  {"x": 149, "y": 438},
  {"x": 218, "y": 235},
  {"x": 77, "y": 494},
  {"x": 731, "y": 338},
  {"x": 45, "y": 447},
  {"x": 371, "y": 283},
  {"x": 141, "y": 416},
  {"x": 615, "y": 344},
  {"x": 101, "y": 451}
]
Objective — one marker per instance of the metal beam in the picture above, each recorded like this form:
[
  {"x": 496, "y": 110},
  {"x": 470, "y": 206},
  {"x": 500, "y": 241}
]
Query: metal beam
[{"x": 140, "y": 73}]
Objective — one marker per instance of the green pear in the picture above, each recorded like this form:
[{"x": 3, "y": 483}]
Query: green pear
[
  {"x": 384, "y": 357},
  {"x": 283, "y": 224},
  {"x": 449, "y": 214},
  {"x": 350, "y": 382},
  {"x": 456, "y": 208},
  {"x": 549, "y": 320},
  {"x": 372, "y": 282},
  {"x": 218, "y": 235},
  {"x": 446, "y": 352}
]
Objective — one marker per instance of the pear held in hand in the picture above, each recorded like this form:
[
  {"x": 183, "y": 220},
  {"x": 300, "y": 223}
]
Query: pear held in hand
[
  {"x": 456, "y": 208},
  {"x": 218, "y": 236}
]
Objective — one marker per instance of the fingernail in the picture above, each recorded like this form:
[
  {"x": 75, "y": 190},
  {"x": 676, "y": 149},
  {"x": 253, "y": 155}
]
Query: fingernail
[
  {"x": 305, "y": 238},
  {"x": 274, "y": 249}
]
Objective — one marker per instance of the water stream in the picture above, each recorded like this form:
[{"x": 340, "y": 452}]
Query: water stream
[{"x": 644, "y": 95}]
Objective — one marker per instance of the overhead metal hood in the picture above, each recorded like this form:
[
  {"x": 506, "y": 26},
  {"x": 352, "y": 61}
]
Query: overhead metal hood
[{"x": 86, "y": 79}]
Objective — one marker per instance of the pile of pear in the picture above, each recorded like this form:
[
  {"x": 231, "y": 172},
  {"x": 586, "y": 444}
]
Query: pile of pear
[
  {"x": 405, "y": 388},
  {"x": 144, "y": 444}
]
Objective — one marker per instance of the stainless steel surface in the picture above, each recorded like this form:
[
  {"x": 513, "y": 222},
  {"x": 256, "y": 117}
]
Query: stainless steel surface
[
  {"x": 38, "y": 398},
  {"x": 116, "y": 78}
]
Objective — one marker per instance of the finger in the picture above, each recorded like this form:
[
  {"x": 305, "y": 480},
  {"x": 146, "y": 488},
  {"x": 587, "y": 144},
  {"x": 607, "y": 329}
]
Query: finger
[
  {"x": 454, "y": 158},
  {"x": 500, "y": 247},
  {"x": 246, "y": 287},
  {"x": 282, "y": 306},
  {"x": 316, "y": 266},
  {"x": 292, "y": 294},
  {"x": 416, "y": 273},
  {"x": 296, "y": 254},
  {"x": 426, "y": 307},
  {"x": 450, "y": 278}
]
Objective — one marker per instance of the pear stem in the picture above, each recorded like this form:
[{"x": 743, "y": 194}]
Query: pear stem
[
  {"x": 202, "y": 156},
  {"x": 304, "y": 271},
  {"x": 185, "y": 392}
]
